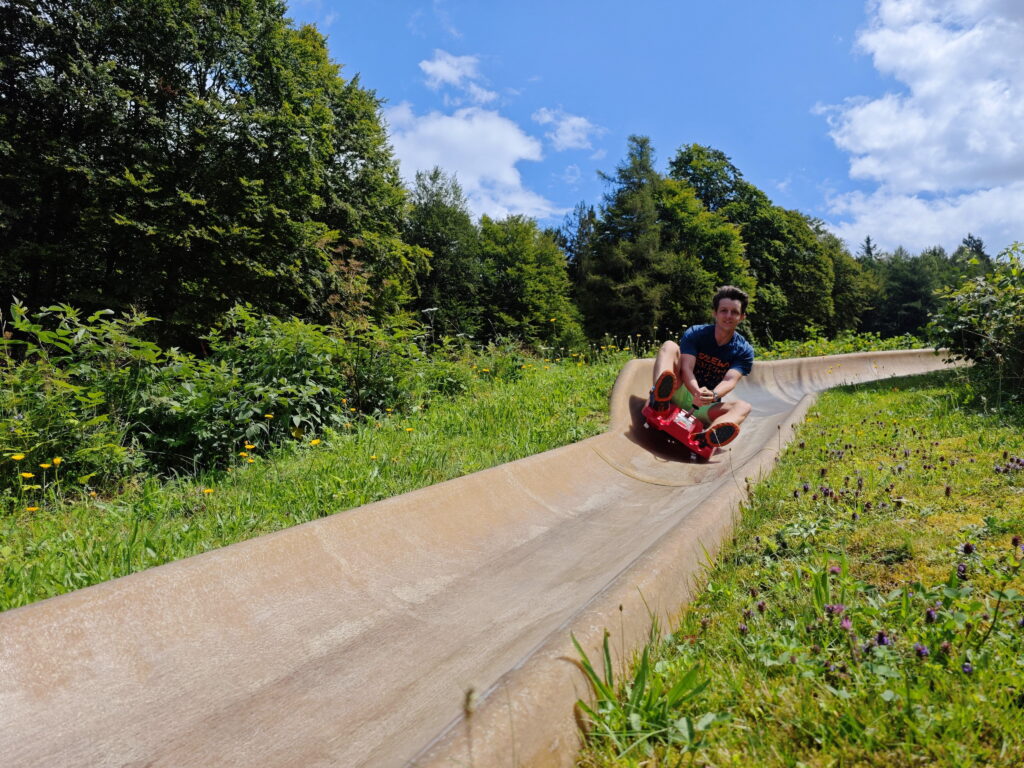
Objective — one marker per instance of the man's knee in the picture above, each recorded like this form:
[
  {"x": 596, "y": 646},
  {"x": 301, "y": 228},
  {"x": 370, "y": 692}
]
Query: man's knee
[
  {"x": 740, "y": 409},
  {"x": 669, "y": 348},
  {"x": 736, "y": 410}
]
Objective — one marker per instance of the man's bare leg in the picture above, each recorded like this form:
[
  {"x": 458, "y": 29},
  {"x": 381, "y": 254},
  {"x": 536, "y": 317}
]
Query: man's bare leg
[
  {"x": 734, "y": 412},
  {"x": 667, "y": 359}
]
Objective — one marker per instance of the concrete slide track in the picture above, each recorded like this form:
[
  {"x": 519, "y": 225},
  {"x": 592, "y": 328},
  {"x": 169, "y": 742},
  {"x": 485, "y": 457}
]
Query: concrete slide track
[{"x": 353, "y": 640}]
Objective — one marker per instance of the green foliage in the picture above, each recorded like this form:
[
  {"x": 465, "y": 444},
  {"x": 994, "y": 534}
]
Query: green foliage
[
  {"x": 983, "y": 321},
  {"x": 803, "y": 274},
  {"x": 655, "y": 707},
  {"x": 656, "y": 254},
  {"x": 67, "y": 390},
  {"x": 181, "y": 157},
  {"x": 907, "y": 289},
  {"x": 869, "y": 610},
  {"x": 110, "y": 404},
  {"x": 814, "y": 344},
  {"x": 528, "y": 296},
  {"x": 451, "y": 292}
]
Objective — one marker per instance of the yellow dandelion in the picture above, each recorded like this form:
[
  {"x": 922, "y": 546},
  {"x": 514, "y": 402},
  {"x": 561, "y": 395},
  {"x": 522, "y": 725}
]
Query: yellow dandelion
[
  {"x": 207, "y": 490},
  {"x": 408, "y": 429},
  {"x": 18, "y": 456},
  {"x": 314, "y": 442},
  {"x": 268, "y": 415},
  {"x": 486, "y": 370},
  {"x": 251, "y": 461},
  {"x": 57, "y": 460},
  {"x": 388, "y": 410},
  {"x": 46, "y": 466},
  {"x": 27, "y": 475},
  {"x": 352, "y": 409},
  {"x": 344, "y": 399},
  {"x": 374, "y": 456},
  {"x": 551, "y": 320},
  {"x": 249, "y": 446},
  {"x": 243, "y": 454},
  {"x": 31, "y": 509}
]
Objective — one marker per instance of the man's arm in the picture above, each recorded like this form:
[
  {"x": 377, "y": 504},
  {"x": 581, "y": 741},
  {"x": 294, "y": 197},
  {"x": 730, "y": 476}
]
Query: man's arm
[
  {"x": 701, "y": 395},
  {"x": 728, "y": 383}
]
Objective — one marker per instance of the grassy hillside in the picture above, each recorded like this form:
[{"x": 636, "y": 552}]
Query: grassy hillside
[{"x": 869, "y": 610}]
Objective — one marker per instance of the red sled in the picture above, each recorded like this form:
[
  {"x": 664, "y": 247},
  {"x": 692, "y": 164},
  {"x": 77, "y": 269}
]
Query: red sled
[{"x": 680, "y": 425}]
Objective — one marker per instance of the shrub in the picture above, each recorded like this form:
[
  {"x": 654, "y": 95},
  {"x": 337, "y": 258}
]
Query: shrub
[
  {"x": 68, "y": 392},
  {"x": 90, "y": 391},
  {"x": 983, "y": 321}
]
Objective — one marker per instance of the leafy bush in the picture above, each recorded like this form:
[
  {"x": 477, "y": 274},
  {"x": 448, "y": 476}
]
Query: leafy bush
[
  {"x": 67, "y": 395},
  {"x": 108, "y": 403},
  {"x": 983, "y": 321}
]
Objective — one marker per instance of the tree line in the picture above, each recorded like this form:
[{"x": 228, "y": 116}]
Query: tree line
[{"x": 184, "y": 156}]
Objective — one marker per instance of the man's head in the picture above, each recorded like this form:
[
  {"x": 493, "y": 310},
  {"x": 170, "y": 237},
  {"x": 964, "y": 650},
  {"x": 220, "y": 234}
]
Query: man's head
[{"x": 731, "y": 292}]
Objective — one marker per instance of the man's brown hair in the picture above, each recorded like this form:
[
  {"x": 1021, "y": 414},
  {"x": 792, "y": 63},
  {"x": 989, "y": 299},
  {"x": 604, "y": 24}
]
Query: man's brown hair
[{"x": 731, "y": 292}]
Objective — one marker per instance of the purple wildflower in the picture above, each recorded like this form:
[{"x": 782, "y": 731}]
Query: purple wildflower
[
  {"x": 835, "y": 569},
  {"x": 968, "y": 548},
  {"x": 835, "y": 609},
  {"x": 961, "y": 571},
  {"x": 761, "y": 606},
  {"x": 743, "y": 628},
  {"x": 882, "y": 638},
  {"x": 930, "y": 615},
  {"x": 968, "y": 668},
  {"x": 921, "y": 650},
  {"x": 945, "y": 648},
  {"x": 846, "y": 623}
]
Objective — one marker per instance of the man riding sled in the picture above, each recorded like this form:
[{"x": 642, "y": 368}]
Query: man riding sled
[{"x": 705, "y": 366}]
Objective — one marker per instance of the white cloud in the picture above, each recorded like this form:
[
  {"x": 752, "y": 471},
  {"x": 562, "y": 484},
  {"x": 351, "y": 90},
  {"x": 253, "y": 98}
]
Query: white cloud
[
  {"x": 480, "y": 147},
  {"x": 946, "y": 151},
  {"x": 570, "y": 131},
  {"x": 459, "y": 72},
  {"x": 918, "y": 222}
]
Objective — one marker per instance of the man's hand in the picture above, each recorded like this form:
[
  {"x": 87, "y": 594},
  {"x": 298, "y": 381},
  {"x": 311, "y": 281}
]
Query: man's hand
[{"x": 705, "y": 396}]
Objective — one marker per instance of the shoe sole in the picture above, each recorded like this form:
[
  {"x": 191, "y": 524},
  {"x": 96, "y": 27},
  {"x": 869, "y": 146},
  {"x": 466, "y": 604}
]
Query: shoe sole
[
  {"x": 712, "y": 435},
  {"x": 664, "y": 387}
]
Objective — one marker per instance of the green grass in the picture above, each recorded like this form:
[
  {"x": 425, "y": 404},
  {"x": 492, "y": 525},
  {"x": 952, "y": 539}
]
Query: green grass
[
  {"x": 61, "y": 546},
  {"x": 869, "y": 609}
]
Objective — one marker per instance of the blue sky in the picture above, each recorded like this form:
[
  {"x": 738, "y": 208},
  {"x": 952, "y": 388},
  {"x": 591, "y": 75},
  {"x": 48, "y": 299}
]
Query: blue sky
[{"x": 898, "y": 119}]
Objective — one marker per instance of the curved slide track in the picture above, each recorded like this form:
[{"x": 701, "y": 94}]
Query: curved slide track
[{"x": 430, "y": 629}]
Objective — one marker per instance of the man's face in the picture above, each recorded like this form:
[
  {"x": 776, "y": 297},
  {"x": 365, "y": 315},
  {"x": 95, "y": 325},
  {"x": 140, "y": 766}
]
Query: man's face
[{"x": 729, "y": 314}]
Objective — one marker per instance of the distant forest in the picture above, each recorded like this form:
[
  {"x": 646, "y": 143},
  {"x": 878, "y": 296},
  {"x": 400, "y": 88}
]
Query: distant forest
[{"x": 179, "y": 158}]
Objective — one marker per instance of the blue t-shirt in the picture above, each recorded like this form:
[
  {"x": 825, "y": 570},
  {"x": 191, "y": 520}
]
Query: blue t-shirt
[{"x": 714, "y": 361}]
